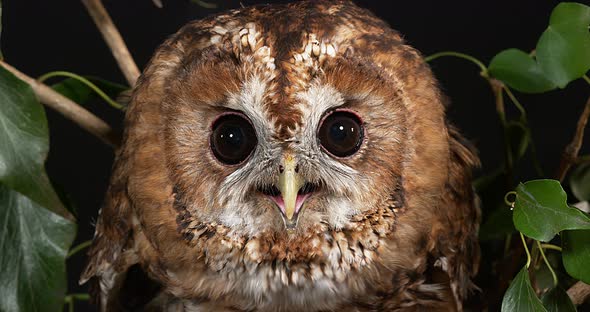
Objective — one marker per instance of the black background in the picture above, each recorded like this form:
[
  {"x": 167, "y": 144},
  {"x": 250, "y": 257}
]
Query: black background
[{"x": 39, "y": 36}]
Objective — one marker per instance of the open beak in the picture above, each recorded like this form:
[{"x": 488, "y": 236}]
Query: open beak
[
  {"x": 289, "y": 184},
  {"x": 290, "y": 192}
]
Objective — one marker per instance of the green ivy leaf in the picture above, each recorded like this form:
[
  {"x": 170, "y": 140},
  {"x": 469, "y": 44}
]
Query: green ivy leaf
[
  {"x": 36, "y": 230},
  {"x": 520, "y": 295},
  {"x": 34, "y": 243},
  {"x": 81, "y": 93},
  {"x": 541, "y": 211},
  {"x": 519, "y": 71},
  {"x": 580, "y": 182},
  {"x": 561, "y": 54},
  {"x": 564, "y": 48},
  {"x": 576, "y": 254},
  {"x": 25, "y": 141},
  {"x": 557, "y": 300}
]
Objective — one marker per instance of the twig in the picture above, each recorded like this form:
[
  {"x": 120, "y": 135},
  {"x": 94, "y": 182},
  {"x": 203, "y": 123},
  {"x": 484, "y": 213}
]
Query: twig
[
  {"x": 579, "y": 293},
  {"x": 571, "y": 150},
  {"x": 113, "y": 39},
  {"x": 68, "y": 108}
]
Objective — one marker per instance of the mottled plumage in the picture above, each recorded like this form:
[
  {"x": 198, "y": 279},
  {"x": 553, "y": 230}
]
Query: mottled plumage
[{"x": 388, "y": 223}]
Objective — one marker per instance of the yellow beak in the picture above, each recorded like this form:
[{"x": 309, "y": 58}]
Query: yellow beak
[{"x": 289, "y": 184}]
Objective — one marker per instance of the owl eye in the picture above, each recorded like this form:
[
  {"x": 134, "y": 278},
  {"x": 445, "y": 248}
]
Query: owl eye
[
  {"x": 341, "y": 133},
  {"x": 232, "y": 138}
]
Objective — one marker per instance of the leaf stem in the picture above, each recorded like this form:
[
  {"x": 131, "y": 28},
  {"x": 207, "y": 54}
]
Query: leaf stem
[
  {"x": 526, "y": 249},
  {"x": 547, "y": 263},
  {"x": 482, "y": 67},
  {"x": 550, "y": 246},
  {"x": 69, "y": 300},
  {"x": 78, "y": 248},
  {"x": 586, "y": 78},
  {"x": 515, "y": 102},
  {"x": 507, "y": 202},
  {"x": 85, "y": 81}
]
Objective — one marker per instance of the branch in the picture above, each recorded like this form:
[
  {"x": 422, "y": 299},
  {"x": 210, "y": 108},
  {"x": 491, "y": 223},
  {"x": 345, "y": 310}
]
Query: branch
[
  {"x": 579, "y": 293},
  {"x": 69, "y": 109},
  {"x": 570, "y": 153},
  {"x": 113, "y": 39}
]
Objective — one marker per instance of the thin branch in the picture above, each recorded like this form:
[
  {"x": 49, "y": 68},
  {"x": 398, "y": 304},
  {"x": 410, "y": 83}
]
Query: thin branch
[
  {"x": 68, "y": 108},
  {"x": 570, "y": 153},
  {"x": 113, "y": 39},
  {"x": 579, "y": 293}
]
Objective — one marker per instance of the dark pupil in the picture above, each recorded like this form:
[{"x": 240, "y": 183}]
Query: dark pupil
[
  {"x": 341, "y": 134},
  {"x": 233, "y": 139}
]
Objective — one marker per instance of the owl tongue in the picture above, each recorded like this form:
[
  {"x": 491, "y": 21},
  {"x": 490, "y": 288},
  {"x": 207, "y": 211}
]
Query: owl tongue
[{"x": 298, "y": 203}]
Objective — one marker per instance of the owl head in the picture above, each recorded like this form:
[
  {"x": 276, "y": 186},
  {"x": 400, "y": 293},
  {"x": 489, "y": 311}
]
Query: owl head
[
  {"x": 300, "y": 152},
  {"x": 288, "y": 119}
]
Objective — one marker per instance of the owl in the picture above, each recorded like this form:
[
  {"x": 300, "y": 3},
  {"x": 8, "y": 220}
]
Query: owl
[{"x": 291, "y": 157}]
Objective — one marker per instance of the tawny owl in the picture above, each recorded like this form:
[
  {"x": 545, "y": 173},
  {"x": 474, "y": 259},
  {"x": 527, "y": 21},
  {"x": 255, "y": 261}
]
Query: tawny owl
[{"x": 290, "y": 157}]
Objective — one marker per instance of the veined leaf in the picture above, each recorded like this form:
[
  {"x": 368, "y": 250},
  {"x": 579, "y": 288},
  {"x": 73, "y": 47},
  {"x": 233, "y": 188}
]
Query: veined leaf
[
  {"x": 520, "y": 295},
  {"x": 557, "y": 300},
  {"x": 35, "y": 228},
  {"x": 576, "y": 254},
  {"x": 541, "y": 211},
  {"x": 561, "y": 54},
  {"x": 25, "y": 142},
  {"x": 520, "y": 71},
  {"x": 34, "y": 243},
  {"x": 564, "y": 48}
]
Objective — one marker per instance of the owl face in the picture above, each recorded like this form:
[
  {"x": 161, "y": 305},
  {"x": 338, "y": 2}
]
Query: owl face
[{"x": 256, "y": 155}]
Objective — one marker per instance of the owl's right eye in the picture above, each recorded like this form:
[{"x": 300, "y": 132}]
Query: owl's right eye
[{"x": 232, "y": 138}]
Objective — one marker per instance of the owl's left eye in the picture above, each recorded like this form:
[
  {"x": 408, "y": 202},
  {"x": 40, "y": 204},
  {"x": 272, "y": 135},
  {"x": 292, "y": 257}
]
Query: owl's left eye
[
  {"x": 341, "y": 133},
  {"x": 232, "y": 138}
]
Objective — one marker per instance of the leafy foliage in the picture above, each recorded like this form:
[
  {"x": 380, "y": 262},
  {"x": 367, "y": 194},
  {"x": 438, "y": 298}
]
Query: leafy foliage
[
  {"x": 34, "y": 243},
  {"x": 557, "y": 300},
  {"x": 520, "y": 296},
  {"x": 561, "y": 54},
  {"x": 576, "y": 254},
  {"x": 520, "y": 71},
  {"x": 541, "y": 210},
  {"x": 37, "y": 230}
]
